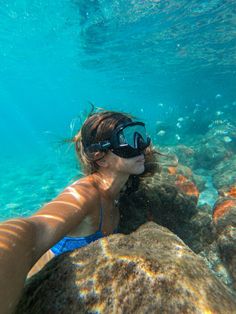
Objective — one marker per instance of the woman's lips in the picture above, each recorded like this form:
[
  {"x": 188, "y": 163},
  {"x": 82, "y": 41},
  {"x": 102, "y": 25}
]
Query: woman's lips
[{"x": 140, "y": 160}]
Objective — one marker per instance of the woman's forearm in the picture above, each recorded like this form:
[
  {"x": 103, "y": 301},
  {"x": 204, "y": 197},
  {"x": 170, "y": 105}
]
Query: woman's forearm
[{"x": 17, "y": 246}]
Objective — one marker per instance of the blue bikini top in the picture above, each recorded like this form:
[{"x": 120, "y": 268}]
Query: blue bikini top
[{"x": 68, "y": 244}]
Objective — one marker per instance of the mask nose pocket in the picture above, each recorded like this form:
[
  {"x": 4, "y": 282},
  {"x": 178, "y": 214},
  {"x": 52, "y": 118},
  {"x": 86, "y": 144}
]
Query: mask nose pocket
[
  {"x": 137, "y": 140},
  {"x": 141, "y": 143}
]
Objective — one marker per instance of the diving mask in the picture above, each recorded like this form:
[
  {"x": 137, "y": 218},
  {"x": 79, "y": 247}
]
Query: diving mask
[{"x": 128, "y": 140}]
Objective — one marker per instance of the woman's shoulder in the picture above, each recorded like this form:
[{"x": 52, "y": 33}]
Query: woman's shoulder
[
  {"x": 87, "y": 181},
  {"x": 86, "y": 187}
]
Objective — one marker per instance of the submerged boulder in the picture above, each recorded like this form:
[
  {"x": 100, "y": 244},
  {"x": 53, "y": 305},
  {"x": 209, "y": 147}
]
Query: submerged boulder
[
  {"x": 224, "y": 217},
  {"x": 148, "y": 271},
  {"x": 217, "y": 146},
  {"x": 186, "y": 154},
  {"x": 201, "y": 232},
  {"x": 224, "y": 174},
  {"x": 168, "y": 198}
]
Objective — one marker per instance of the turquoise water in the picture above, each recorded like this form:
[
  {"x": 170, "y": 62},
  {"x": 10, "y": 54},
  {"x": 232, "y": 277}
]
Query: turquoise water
[{"x": 172, "y": 64}]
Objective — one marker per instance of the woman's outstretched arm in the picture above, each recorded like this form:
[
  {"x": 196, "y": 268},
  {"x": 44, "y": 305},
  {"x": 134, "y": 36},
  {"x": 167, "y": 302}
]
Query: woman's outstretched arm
[
  {"x": 17, "y": 240},
  {"x": 24, "y": 241}
]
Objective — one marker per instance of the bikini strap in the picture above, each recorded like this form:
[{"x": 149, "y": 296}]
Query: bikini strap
[{"x": 101, "y": 218}]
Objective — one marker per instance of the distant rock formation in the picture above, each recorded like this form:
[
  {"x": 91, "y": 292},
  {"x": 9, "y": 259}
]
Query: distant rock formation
[{"x": 224, "y": 174}]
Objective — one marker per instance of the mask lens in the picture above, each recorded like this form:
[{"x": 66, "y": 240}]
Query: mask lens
[
  {"x": 133, "y": 136},
  {"x": 130, "y": 140}
]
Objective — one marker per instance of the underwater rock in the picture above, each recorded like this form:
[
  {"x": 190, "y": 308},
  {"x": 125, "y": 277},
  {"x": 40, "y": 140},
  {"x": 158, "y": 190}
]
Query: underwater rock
[
  {"x": 224, "y": 217},
  {"x": 202, "y": 236},
  {"x": 148, "y": 271},
  {"x": 212, "y": 257},
  {"x": 167, "y": 199},
  {"x": 217, "y": 146},
  {"x": 185, "y": 154},
  {"x": 224, "y": 174},
  {"x": 209, "y": 153},
  {"x": 201, "y": 231},
  {"x": 224, "y": 213},
  {"x": 229, "y": 192},
  {"x": 191, "y": 177},
  {"x": 200, "y": 182},
  {"x": 186, "y": 186},
  {"x": 227, "y": 246}
]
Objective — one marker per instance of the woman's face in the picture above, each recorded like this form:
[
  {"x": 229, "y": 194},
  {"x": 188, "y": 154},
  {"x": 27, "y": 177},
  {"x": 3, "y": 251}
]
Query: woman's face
[{"x": 134, "y": 165}]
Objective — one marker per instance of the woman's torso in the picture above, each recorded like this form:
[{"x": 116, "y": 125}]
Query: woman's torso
[
  {"x": 100, "y": 221},
  {"x": 104, "y": 215},
  {"x": 103, "y": 212}
]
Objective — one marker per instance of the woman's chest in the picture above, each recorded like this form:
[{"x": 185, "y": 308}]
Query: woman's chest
[{"x": 104, "y": 218}]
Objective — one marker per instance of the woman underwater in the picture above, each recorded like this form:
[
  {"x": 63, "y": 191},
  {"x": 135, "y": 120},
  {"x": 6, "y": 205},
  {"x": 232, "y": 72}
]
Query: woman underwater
[{"x": 112, "y": 149}]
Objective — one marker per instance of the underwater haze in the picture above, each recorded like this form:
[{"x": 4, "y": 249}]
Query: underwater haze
[{"x": 170, "y": 63}]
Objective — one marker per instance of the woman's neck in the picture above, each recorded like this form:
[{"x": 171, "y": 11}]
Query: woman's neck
[{"x": 110, "y": 183}]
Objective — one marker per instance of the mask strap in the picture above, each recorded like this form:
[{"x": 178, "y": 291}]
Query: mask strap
[{"x": 100, "y": 146}]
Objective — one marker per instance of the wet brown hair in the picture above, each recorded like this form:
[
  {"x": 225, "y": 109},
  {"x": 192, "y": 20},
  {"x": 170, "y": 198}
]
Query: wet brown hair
[{"x": 97, "y": 127}]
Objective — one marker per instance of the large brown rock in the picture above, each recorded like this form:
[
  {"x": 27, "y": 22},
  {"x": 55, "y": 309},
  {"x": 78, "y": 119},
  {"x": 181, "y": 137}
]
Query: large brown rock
[{"x": 148, "y": 271}]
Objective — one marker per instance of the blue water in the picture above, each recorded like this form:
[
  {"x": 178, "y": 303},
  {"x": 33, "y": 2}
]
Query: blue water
[{"x": 165, "y": 62}]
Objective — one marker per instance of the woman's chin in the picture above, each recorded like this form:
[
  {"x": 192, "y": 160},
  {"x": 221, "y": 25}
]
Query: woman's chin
[{"x": 140, "y": 170}]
